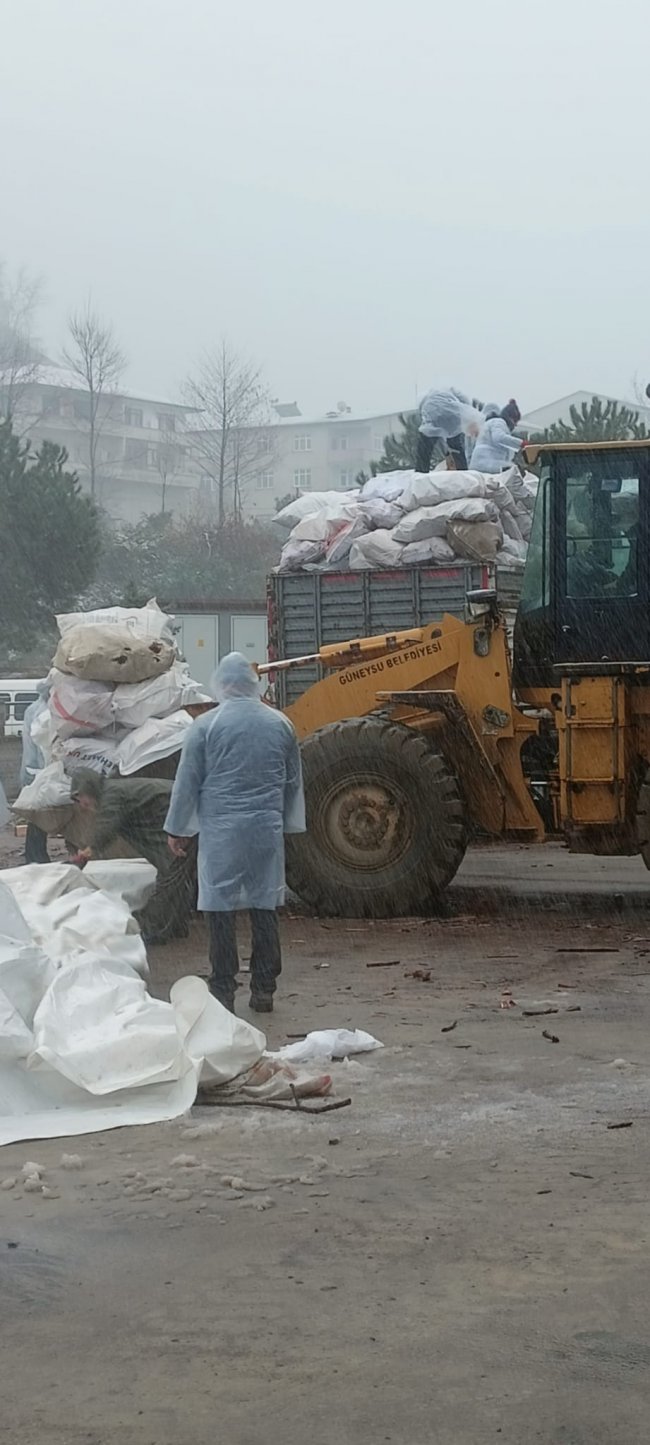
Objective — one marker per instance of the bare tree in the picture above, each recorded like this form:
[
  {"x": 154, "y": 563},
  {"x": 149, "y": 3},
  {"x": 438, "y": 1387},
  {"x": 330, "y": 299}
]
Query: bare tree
[
  {"x": 232, "y": 400},
  {"x": 98, "y": 361},
  {"x": 20, "y": 359},
  {"x": 168, "y": 457}
]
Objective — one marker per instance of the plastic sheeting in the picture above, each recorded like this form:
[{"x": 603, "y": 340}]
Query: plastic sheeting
[{"x": 83, "y": 1045}]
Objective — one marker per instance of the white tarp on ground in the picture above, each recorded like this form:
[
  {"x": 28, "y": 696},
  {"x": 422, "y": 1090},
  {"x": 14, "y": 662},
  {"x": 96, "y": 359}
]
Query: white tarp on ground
[{"x": 83, "y": 1045}]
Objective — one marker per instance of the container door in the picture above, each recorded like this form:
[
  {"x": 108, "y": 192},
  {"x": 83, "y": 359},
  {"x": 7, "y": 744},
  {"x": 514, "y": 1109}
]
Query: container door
[
  {"x": 198, "y": 641},
  {"x": 248, "y": 634}
]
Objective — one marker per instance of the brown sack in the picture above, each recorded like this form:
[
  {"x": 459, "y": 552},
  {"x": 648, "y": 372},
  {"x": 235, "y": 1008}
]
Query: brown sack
[
  {"x": 110, "y": 653},
  {"x": 479, "y": 541}
]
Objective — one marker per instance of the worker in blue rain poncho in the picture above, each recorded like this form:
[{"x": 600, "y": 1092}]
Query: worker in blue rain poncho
[{"x": 239, "y": 786}]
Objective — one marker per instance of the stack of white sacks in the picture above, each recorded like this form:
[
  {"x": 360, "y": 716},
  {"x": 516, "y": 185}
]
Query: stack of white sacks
[
  {"x": 117, "y": 699},
  {"x": 404, "y": 518}
]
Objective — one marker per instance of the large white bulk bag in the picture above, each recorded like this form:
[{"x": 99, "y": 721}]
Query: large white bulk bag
[
  {"x": 377, "y": 549},
  {"x": 432, "y": 521}
]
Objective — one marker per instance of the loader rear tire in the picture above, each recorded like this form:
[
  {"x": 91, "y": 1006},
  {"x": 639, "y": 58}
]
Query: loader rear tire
[{"x": 386, "y": 826}]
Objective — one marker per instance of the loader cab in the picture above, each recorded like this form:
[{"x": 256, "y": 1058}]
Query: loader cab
[{"x": 586, "y": 587}]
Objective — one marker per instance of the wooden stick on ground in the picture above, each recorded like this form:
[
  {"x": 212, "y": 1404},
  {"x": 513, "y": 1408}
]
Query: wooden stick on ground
[{"x": 303, "y": 1108}]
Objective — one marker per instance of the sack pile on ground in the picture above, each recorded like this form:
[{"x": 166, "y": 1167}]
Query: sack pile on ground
[
  {"x": 403, "y": 518},
  {"x": 117, "y": 700}
]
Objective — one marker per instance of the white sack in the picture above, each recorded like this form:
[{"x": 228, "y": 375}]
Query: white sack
[
  {"x": 146, "y": 622},
  {"x": 5, "y": 811},
  {"x": 309, "y": 504},
  {"x": 429, "y": 489},
  {"x": 477, "y": 541},
  {"x": 296, "y": 555},
  {"x": 83, "y": 1045},
  {"x": 107, "y": 653},
  {"x": 50, "y": 789},
  {"x": 99, "y": 754},
  {"x": 386, "y": 485},
  {"x": 79, "y": 706},
  {"x": 376, "y": 549},
  {"x": 134, "y": 702},
  {"x": 155, "y": 739},
  {"x": 379, "y": 513},
  {"x": 323, "y": 1045},
  {"x": 434, "y": 550},
  {"x": 342, "y": 536},
  {"x": 432, "y": 521},
  {"x": 44, "y": 733},
  {"x": 510, "y": 524}
]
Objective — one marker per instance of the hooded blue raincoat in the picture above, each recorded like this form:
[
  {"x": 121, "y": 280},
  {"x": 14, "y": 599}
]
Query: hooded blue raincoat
[{"x": 239, "y": 786}]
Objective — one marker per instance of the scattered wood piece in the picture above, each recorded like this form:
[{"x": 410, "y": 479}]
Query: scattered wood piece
[
  {"x": 568, "y": 985},
  {"x": 448, "y": 1027},
  {"x": 384, "y": 963},
  {"x": 424, "y": 974},
  {"x": 588, "y": 949},
  {"x": 533, "y": 1013},
  {"x": 544, "y": 1191},
  {"x": 577, "y": 1174},
  {"x": 624, "y": 1124},
  {"x": 575, "y": 1008},
  {"x": 462, "y": 1046},
  {"x": 552, "y": 1038},
  {"x": 325, "y": 1108},
  {"x": 296, "y": 1036}
]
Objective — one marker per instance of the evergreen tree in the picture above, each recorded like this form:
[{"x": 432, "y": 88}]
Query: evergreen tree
[
  {"x": 399, "y": 451},
  {"x": 49, "y": 539},
  {"x": 597, "y": 421}
]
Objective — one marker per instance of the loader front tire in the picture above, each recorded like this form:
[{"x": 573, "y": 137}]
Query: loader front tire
[{"x": 386, "y": 827}]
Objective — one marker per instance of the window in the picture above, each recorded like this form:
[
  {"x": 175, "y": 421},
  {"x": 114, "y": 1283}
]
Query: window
[
  {"x": 266, "y": 442},
  {"x": 302, "y": 479},
  {"x": 264, "y": 481},
  {"x": 135, "y": 453},
  {"x": 302, "y": 444},
  {"x": 377, "y": 445},
  {"x": 535, "y": 586},
  {"x": 339, "y": 443},
  {"x": 133, "y": 416},
  {"x": 166, "y": 422},
  {"x": 81, "y": 407},
  {"x": 345, "y": 479},
  {"x": 602, "y": 528}
]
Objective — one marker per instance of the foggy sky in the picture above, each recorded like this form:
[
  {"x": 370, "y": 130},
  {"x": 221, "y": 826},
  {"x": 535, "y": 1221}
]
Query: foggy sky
[{"x": 368, "y": 197}]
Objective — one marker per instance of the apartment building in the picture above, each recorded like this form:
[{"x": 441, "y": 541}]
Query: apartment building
[
  {"x": 314, "y": 453},
  {"x": 144, "y": 463}
]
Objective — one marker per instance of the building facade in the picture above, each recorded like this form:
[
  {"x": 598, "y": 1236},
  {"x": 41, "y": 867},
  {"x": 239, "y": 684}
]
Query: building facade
[{"x": 143, "y": 462}]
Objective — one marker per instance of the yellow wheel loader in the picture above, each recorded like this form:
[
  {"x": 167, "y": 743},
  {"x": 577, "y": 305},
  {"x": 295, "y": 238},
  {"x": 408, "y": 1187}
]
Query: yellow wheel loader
[{"x": 411, "y": 741}]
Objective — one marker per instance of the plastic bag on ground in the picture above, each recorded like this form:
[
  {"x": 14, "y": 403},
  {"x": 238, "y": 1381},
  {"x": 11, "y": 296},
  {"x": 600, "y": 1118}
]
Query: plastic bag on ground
[
  {"x": 134, "y": 702},
  {"x": 432, "y": 521},
  {"x": 477, "y": 541},
  {"x": 434, "y": 550},
  {"x": 50, "y": 789},
  {"x": 157, "y": 738},
  {"x": 323, "y": 1045},
  {"x": 146, "y": 622},
  {"x": 108, "y": 653},
  {"x": 376, "y": 549},
  {"x": 78, "y": 705}
]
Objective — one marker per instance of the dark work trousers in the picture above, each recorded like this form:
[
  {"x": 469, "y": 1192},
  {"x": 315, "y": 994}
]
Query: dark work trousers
[
  {"x": 428, "y": 445},
  {"x": 266, "y": 956},
  {"x": 36, "y": 845}
]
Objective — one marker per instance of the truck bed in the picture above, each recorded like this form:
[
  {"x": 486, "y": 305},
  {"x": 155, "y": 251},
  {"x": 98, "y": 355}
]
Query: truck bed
[{"x": 308, "y": 610}]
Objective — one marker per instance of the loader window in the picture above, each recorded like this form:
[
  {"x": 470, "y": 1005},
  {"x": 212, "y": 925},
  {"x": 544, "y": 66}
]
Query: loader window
[
  {"x": 601, "y": 522},
  {"x": 535, "y": 588}
]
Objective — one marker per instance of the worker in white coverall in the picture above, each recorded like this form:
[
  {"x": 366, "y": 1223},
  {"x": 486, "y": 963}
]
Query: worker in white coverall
[
  {"x": 497, "y": 446},
  {"x": 239, "y": 786}
]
